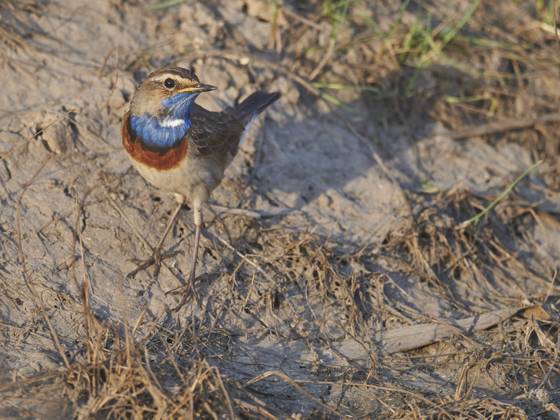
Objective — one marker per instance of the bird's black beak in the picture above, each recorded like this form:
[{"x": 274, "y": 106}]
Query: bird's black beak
[{"x": 201, "y": 87}]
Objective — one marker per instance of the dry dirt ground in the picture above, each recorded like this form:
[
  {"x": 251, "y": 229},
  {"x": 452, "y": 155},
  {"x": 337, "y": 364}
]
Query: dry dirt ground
[{"x": 343, "y": 273}]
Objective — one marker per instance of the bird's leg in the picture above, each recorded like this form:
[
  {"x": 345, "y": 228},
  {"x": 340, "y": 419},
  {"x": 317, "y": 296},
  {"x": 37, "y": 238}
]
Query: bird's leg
[
  {"x": 156, "y": 253},
  {"x": 197, "y": 209},
  {"x": 157, "y": 250}
]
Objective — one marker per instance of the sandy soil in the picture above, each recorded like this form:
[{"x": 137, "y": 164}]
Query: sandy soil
[{"x": 366, "y": 240}]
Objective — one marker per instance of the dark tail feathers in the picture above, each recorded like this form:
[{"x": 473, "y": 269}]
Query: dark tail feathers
[{"x": 254, "y": 104}]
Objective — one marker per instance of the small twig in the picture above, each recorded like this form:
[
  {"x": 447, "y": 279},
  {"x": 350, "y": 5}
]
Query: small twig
[
  {"x": 556, "y": 23},
  {"x": 25, "y": 274},
  {"x": 129, "y": 222},
  {"x": 373, "y": 386},
  {"x": 502, "y": 126},
  {"x": 148, "y": 369},
  {"x": 150, "y": 261},
  {"x": 30, "y": 381},
  {"x": 26, "y": 330},
  {"x": 242, "y": 256},
  {"x": 326, "y": 58},
  {"x": 262, "y": 412},
  {"x": 303, "y": 19},
  {"x": 255, "y": 214},
  {"x": 224, "y": 391},
  {"x": 282, "y": 376},
  {"x": 78, "y": 238},
  {"x": 554, "y": 363}
]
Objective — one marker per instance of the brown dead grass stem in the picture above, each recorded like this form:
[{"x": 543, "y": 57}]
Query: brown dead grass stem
[
  {"x": 282, "y": 376},
  {"x": 117, "y": 377},
  {"x": 481, "y": 257},
  {"x": 471, "y": 409},
  {"x": 27, "y": 277}
]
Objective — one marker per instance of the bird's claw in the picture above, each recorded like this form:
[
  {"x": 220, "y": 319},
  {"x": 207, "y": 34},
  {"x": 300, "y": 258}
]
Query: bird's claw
[
  {"x": 155, "y": 260},
  {"x": 187, "y": 292}
]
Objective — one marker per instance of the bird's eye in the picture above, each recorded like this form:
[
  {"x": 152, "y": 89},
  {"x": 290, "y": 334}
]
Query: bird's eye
[{"x": 169, "y": 83}]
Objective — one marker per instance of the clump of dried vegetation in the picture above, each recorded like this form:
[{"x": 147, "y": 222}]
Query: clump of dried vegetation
[
  {"x": 449, "y": 246},
  {"x": 475, "y": 64},
  {"x": 163, "y": 375}
]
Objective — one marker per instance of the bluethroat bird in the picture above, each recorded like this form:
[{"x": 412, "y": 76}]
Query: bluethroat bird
[{"x": 180, "y": 147}]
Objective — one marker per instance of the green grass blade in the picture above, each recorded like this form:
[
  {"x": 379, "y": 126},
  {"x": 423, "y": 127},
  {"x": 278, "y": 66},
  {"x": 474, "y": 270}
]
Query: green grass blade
[
  {"x": 164, "y": 4},
  {"x": 476, "y": 218}
]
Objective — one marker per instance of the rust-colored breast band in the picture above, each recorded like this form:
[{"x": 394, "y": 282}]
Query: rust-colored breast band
[{"x": 157, "y": 159}]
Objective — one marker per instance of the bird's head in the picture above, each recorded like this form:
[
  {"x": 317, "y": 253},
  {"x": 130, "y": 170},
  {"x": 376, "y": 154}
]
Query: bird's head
[
  {"x": 168, "y": 91},
  {"x": 161, "y": 107}
]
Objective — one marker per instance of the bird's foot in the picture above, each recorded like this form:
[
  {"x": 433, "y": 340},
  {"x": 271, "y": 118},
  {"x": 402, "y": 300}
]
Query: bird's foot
[
  {"x": 155, "y": 260},
  {"x": 187, "y": 292}
]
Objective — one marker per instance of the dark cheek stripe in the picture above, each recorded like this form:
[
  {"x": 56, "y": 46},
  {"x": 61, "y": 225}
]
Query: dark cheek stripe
[{"x": 163, "y": 160}]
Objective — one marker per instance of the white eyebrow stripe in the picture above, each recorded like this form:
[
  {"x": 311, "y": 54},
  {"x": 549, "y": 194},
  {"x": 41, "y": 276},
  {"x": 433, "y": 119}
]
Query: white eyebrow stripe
[
  {"x": 170, "y": 123},
  {"x": 164, "y": 76}
]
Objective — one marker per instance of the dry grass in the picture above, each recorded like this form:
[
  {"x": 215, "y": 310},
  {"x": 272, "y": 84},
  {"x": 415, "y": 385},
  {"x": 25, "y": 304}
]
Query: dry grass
[
  {"x": 483, "y": 257},
  {"x": 410, "y": 61},
  {"x": 162, "y": 375},
  {"x": 118, "y": 377}
]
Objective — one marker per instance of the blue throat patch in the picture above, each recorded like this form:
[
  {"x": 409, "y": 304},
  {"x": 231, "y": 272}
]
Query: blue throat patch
[{"x": 166, "y": 131}]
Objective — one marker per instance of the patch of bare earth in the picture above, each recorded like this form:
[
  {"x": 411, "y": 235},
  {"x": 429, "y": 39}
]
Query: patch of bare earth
[{"x": 385, "y": 245}]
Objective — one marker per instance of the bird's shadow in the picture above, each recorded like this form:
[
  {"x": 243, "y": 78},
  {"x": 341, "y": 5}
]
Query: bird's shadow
[{"x": 306, "y": 157}]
